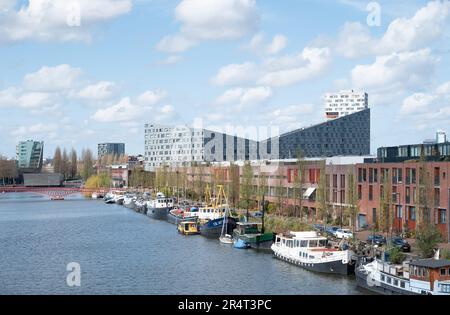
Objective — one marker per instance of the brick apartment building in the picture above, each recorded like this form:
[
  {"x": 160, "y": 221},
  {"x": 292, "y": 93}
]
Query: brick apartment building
[{"x": 418, "y": 191}]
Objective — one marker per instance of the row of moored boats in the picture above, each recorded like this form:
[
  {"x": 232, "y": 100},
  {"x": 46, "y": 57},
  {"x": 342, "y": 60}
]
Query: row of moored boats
[{"x": 309, "y": 250}]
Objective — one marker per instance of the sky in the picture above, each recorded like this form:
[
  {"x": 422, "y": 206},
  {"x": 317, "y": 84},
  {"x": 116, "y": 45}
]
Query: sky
[{"x": 80, "y": 72}]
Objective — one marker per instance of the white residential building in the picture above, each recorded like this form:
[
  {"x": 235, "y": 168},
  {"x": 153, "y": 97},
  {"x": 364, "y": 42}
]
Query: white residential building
[
  {"x": 345, "y": 103},
  {"x": 174, "y": 146}
]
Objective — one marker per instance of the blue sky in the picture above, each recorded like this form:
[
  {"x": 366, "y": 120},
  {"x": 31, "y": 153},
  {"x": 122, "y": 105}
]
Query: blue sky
[{"x": 223, "y": 62}]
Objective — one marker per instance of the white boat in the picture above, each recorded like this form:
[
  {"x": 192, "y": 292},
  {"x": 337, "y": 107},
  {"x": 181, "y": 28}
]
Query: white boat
[
  {"x": 159, "y": 207},
  {"x": 311, "y": 251},
  {"x": 226, "y": 239},
  {"x": 416, "y": 277}
]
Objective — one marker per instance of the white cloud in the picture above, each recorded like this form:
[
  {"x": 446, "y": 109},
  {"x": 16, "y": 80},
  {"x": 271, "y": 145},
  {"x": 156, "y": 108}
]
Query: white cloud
[
  {"x": 47, "y": 20},
  {"x": 171, "y": 60},
  {"x": 245, "y": 96},
  {"x": 277, "y": 71},
  {"x": 47, "y": 79},
  {"x": 98, "y": 91},
  {"x": 259, "y": 46},
  {"x": 175, "y": 44},
  {"x": 149, "y": 98},
  {"x": 397, "y": 71},
  {"x": 417, "y": 103},
  {"x": 210, "y": 20},
  {"x": 36, "y": 129},
  {"x": 403, "y": 34},
  {"x": 122, "y": 111},
  {"x": 288, "y": 70},
  {"x": 235, "y": 74},
  {"x": 16, "y": 97},
  {"x": 127, "y": 110}
]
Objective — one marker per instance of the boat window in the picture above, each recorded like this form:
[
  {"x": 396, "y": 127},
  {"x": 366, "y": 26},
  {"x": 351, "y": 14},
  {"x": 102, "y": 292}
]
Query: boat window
[
  {"x": 311, "y": 257},
  {"x": 313, "y": 243},
  {"x": 304, "y": 244},
  {"x": 383, "y": 278},
  {"x": 322, "y": 243},
  {"x": 445, "y": 288},
  {"x": 389, "y": 280},
  {"x": 396, "y": 282},
  {"x": 402, "y": 284}
]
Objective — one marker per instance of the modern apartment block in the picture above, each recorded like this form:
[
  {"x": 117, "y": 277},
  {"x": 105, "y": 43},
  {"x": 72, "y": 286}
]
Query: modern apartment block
[
  {"x": 183, "y": 145},
  {"x": 418, "y": 192},
  {"x": 345, "y": 136},
  {"x": 345, "y": 103},
  {"x": 438, "y": 150},
  {"x": 29, "y": 156},
  {"x": 111, "y": 148}
]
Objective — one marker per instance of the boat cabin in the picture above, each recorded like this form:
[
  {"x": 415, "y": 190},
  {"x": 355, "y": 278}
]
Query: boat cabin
[
  {"x": 212, "y": 213},
  {"x": 247, "y": 228},
  {"x": 430, "y": 275},
  {"x": 188, "y": 228},
  {"x": 309, "y": 240}
]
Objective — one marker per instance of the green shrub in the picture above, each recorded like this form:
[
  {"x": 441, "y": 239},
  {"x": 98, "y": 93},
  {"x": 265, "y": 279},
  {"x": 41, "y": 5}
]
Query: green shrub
[
  {"x": 428, "y": 238},
  {"x": 445, "y": 254},
  {"x": 396, "y": 256}
]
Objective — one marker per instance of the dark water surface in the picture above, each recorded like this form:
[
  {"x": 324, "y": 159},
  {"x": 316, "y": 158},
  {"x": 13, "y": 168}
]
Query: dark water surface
[{"x": 121, "y": 252}]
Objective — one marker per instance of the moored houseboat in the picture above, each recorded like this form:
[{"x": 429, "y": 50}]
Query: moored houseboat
[
  {"x": 188, "y": 228},
  {"x": 416, "y": 277},
  {"x": 159, "y": 207},
  {"x": 311, "y": 251},
  {"x": 248, "y": 235}
]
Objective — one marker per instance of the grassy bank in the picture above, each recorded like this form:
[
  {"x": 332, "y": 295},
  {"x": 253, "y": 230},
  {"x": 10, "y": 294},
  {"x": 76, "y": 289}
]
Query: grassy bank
[{"x": 280, "y": 224}]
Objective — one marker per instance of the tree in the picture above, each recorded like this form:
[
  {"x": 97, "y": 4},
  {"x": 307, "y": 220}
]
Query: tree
[
  {"x": 247, "y": 188},
  {"x": 73, "y": 164},
  {"x": 423, "y": 193},
  {"x": 352, "y": 205},
  {"x": 385, "y": 203},
  {"x": 57, "y": 161},
  {"x": 396, "y": 256},
  {"x": 298, "y": 183},
  {"x": 8, "y": 170},
  {"x": 65, "y": 164},
  {"x": 88, "y": 164},
  {"x": 322, "y": 194},
  {"x": 427, "y": 240},
  {"x": 262, "y": 187}
]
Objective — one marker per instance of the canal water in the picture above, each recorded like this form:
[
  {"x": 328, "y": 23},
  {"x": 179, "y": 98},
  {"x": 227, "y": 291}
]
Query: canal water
[{"x": 122, "y": 252}]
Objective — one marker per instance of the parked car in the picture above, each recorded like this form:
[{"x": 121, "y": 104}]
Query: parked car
[
  {"x": 401, "y": 243},
  {"x": 332, "y": 230},
  {"x": 376, "y": 239},
  {"x": 258, "y": 214},
  {"x": 344, "y": 233},
  {"x": 319, "y": 227}
]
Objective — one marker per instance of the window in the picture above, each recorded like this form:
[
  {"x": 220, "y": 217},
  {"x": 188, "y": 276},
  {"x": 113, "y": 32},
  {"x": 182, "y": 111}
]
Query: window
[
  {"x": 313, "y": 243},
  {"x": 443, "y": 272},
  {"x": 389, "y": 280},
  {"x": 359, "y": 192},
  {"x": 445, "y": 288},
  {"x": 396, "y": 282},
  {"x": 383, "y": 278},
  {"x": 442, "y": 215},
  {"x": 402, "y": 284},
  {"x": 370, "y": 192},
  {"x": 304, "y": 244},
  {"x": 412, "y": 213}
]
